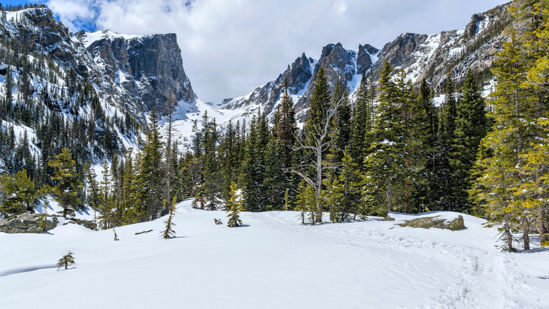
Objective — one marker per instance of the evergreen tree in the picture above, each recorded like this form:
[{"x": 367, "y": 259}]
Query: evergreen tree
[
  {"x": 503, "y": 187},
  {"x": 275, "y": 179},
  {"x": 305, "y": 201},
  {"x": 67, "y": 182},
  {"x": 211, "y": 171},
  {"x": 428, "y": 191},
  {"x": 233, "y": 206},
  {"x": 384, "y": 164},
  {"x": 443, "y": 192},
  {"x": 65, "y": 261},
  {"x": 343, "y": 191},
  {"x": 151, "y": 173},
  {"x": 18, "y": 193},
  {"x": 470, "y": 128},
  {"x": 285, "y": 126},
  {"x": 106, "y": 199},
  {"x": 253, "y": 175},
  {"x": 360, "y": 123}
]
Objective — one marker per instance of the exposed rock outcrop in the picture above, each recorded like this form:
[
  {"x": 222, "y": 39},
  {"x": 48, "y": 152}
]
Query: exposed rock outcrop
[{"x": 27, "y": 223}]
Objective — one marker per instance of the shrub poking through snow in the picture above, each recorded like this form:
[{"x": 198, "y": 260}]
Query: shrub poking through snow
[
  {"x": 233, "y": 204},
  {"x": 65, "y": 261},
  {"x": 429, "y": 222},
  {"x": 218, "y": 221}
]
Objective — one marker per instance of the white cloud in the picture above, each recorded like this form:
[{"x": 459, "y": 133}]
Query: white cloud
[{"x": 230, "y": 47}]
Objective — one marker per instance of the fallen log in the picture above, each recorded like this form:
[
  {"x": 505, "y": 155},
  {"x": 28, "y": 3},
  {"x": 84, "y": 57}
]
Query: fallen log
[{"x": 143, "y": 232}]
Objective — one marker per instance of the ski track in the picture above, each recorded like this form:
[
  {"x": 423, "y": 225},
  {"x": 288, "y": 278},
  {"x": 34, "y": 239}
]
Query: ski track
[{"x": 477, "y": 271}]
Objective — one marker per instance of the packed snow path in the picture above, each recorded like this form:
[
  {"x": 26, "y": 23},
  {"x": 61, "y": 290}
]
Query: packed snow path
[{"x": 273, "y": 262}]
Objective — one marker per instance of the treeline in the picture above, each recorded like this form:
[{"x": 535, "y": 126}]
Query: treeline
[{"x": 402, "y": 154}]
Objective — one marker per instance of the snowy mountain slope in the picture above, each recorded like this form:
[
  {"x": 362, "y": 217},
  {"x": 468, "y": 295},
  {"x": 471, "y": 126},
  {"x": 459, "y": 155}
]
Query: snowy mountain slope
[
  {"x": 419, "y": 55},
  {"x": 98, "y": 88},
  {"x": 273, "y": 262}
]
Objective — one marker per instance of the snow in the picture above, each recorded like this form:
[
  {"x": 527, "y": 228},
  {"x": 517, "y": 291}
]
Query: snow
[
  {"x": 91, "y": 37},
  {"x": 272, "y": 262}
]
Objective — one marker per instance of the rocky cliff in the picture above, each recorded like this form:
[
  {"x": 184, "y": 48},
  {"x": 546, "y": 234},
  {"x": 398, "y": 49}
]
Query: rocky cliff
[{"x": 147, "y": 68}]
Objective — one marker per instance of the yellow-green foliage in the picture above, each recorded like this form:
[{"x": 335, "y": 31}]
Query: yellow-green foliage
[{"x": 234, "y": 206}]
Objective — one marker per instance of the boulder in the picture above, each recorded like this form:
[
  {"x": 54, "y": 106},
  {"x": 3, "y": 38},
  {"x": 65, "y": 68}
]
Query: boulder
[
  {"x": 429, "y": 222},
  {"x": 27, "y": 223}
]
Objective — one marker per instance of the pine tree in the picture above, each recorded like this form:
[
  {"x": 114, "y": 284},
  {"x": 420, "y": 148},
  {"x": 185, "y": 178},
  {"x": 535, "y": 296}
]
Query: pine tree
[
  {"x": 106, "y": 199},
  {"x": 471, "y": 127},
  {"x": 254, "y": 191},
  {"x": 67, "y": 182},
  {"x": 535, "y": 189},
  {"x": 151, "y": 173},
  {"x": 360, "y": 123},
  {"x": 233, "y": 206},
  {"x": 428, "y": 191},
  {"x": 305, "y": 201},
  {"x": 18, "y": 193},
  {"x": 287, "y": 201},
  {"x": 275, "y": 180},
  {"x": 516, "y": 106},
  {"x": 65, "y": 261},
  {"x": 343, "y": 191},
  {"x": 384, "y": 164},
  {"x": 443, "y": 176},
  {"x": 285, "y": 126},
  {"x": 211, "y": 170}
]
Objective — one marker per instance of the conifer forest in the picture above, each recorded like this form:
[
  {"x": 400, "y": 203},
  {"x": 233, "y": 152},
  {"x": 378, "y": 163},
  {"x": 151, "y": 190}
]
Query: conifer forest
[{"x": 412, "y": 176}]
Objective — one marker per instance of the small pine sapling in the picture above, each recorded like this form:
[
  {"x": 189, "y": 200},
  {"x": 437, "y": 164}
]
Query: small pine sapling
[
  {"x": 233, "y": 204},
  {"x": 287, "y": 202},
  {"x": 65, "y": 261},
  {"x": 169, "y": 232}
]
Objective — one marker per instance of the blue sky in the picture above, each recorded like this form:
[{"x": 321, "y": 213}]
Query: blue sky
[
  {"x": 230, "y": 47},
  {"x": 82, "y": 24}
]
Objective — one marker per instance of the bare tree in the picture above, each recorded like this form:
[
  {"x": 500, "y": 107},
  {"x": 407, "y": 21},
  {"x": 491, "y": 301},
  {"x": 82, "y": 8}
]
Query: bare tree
[
  {"x": 318, "y": 142},
  {"x": 170, "y": 102}
]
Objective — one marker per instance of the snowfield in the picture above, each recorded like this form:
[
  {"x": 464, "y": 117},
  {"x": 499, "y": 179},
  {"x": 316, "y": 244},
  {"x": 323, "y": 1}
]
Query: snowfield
[{"x": 272, "y": 262}]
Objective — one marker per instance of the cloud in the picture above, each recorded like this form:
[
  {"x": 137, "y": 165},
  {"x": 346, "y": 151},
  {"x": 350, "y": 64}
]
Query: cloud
[{"x": 230, "y": 47}]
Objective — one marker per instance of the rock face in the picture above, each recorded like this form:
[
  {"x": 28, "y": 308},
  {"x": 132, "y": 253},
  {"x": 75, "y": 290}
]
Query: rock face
[
  {"x": 339, "y": 64},
  {"x": 27, "y": 223},
  {"x": 297, "y": 75},
  {"x": 149, "y": 68}
]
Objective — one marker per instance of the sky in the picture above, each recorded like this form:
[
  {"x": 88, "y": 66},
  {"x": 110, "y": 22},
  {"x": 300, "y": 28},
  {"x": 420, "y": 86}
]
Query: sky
[{"x": 229, "y": 47}]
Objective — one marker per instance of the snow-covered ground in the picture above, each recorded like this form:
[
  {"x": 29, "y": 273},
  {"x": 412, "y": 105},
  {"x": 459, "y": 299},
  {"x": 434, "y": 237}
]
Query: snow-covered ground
[{"x": 273, "y": 262}]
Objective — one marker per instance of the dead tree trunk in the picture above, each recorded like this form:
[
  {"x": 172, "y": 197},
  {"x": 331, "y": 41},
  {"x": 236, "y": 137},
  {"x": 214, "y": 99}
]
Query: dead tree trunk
[{"x": 170, "y": 103}]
